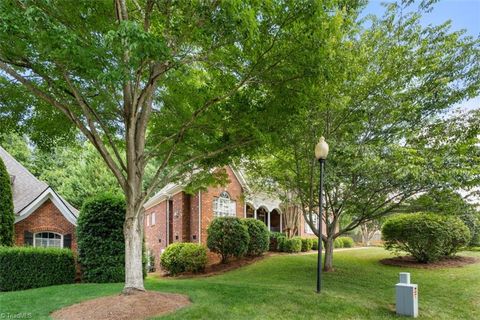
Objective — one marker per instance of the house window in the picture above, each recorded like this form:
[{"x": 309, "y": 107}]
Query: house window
[
  {"x": 314, "y": 222},
  {"x": 48, "y": 239},
  {"x": 223, "y": 206},
  {"x": 153, "y": 218}
]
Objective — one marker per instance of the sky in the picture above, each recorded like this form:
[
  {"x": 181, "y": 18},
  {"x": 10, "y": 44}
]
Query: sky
[{"x": 464, "y": 14}]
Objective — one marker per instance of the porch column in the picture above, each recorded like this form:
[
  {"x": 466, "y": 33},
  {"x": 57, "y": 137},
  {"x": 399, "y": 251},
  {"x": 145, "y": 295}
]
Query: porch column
[
  {"x": 255, "y": 213},
  {"x": 281, "y": 216},
  {"x": 269, "y": 221}
]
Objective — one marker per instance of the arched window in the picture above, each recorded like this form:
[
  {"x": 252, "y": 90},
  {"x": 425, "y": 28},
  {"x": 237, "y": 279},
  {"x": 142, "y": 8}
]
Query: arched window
[
  {"x": 48, "y": 239},
  {"x": 223, "y": 206},
  {"x": 314, "y": 222}
]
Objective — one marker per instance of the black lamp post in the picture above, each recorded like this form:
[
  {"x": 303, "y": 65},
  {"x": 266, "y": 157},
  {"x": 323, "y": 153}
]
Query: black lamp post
[{"x": 321, "y": 152}]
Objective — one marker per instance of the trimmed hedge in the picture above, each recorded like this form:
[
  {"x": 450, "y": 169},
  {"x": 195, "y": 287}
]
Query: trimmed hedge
[
  {"x": 101, "y": 243},
  {"x": 314, "y": 243},
  {"x": 228, "y": 236},
  {"x": 307, "y": 244},
  {"x": 291, "y": 245},
  {"x": 347, "y": 242},
  {"x": 184, "y": 257},
  {"x": 275, "y": 237},
  {"x": 7, "y": 217},
  {"x": 427, "y": 237},
  {"x": 30, "y": 267},
  {"x": 259, "y": 237}
]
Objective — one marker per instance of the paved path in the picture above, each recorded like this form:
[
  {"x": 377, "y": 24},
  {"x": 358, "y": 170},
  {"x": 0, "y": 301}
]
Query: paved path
[{"x": 340, "y": 249}]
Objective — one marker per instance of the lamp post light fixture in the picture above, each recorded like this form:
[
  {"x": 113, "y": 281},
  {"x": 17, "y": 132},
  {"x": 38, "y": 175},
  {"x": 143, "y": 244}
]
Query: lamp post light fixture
[{"x": 321, "y": 152}]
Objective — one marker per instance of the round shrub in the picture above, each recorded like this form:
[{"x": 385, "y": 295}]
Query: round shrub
[
  {"x": 338, "y": 243},
  {"x": 101, "y": 243},
  {"x": 275, "y": 238},
  {"x": 228, "y": 236},
  {"x": 194, "y": 257},
  {"x": 292, "y": 245},
  {"x": 427, "y": 237},
  {"x": 184, "y": 257},
  {"x": 259, "y": 237},
  {"x": 347, "y": 242},
  {"x": 314, "y": 244},
  {"x": 170, "y": 258},
  {"x": 7, "y": 216},
  {"x": 307, "y": 244}
]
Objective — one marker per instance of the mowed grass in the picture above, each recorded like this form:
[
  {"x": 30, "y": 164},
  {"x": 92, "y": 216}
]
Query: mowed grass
[{"x": 283, "y": 287}]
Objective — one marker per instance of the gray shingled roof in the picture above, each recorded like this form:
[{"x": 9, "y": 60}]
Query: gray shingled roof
[{"x": 26, "y": 187}]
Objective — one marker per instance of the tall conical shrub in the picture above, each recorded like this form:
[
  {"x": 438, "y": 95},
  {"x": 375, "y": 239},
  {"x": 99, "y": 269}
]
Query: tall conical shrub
[{"x": 7, "y": 217}]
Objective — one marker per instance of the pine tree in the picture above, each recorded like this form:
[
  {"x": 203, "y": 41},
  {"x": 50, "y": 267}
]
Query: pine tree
[{"x": 7, "y": 217}]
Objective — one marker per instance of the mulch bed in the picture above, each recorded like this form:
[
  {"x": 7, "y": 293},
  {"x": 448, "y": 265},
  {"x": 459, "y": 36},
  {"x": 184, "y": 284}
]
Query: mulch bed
[
  {"x": 408, "y": 261},
  {"x": 138, "y": 306}
]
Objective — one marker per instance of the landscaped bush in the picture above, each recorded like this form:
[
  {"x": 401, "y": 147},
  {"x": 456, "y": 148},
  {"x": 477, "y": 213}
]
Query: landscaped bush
[
  {"x": 338, "y": 243},
  {"x": 427, "y": 237},
  {"x": 307, "y": 244},
  {"x": 184, "y": 257},
  {"x": 275, "y": 238},
  {"x": 259, "y": 237},
  {"x": 291, "y": 245},
  {"x": 101, "y": 243},
  {"x": 228, "y": 236},
  {"x": 314, "y": 243},
  {"x": 347, "y": 242},
  {"x": 28, "y": 267}
]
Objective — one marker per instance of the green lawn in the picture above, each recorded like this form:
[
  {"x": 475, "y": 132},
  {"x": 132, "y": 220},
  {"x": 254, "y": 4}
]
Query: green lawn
[{"x": 282, "y": 287}]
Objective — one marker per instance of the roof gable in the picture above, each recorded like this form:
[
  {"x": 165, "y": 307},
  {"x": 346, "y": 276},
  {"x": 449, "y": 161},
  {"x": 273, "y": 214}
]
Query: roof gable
[{"x": 28, "y": 190}]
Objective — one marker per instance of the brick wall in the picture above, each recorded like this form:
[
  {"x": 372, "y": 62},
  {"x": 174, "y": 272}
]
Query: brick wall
[
  {"x": 181, "y": 217},
  {"x": 156, "y": 235},
  {"x": 46, "y": 218},
  {"x": 194, "y": 206},
  {"x": 234, "y": 189}
]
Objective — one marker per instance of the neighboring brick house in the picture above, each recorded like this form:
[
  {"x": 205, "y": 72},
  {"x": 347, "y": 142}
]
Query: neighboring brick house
[
  {"x": 172, "y": 215},
  {"x": 42, "y": 217}
]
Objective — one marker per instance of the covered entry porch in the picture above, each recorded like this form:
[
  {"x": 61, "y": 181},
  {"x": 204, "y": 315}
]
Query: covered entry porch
[{"x": 268, "y": 213}]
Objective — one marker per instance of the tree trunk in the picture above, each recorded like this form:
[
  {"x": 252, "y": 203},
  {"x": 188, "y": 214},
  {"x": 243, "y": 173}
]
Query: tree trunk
[
  {"x": 365, "y": 235},
  {"x": 328, "y": 260},
  {"x": 133, "y": 232}
]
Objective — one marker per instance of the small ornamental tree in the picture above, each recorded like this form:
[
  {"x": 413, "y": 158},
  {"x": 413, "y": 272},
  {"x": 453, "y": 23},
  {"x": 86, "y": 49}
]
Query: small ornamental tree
[
  {"x": 228, "y": 237},
  {"x": 7, "y": 217},
  {"x": 101, "y": 243},
  {"x": 259, "y": 237}
]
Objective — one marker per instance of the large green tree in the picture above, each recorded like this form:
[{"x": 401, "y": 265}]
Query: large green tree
[
  {"x": 7, "y": 216},
  {"x": 385, "y": 107},
  {"x": 182, "y": 85}
]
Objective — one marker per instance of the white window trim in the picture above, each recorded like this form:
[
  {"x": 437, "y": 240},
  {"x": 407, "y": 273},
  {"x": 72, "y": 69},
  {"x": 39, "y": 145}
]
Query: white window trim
[
  {"x": 61, "y": 238},
  {"x": 148, "y": 220},
  {"x": 153, "y": 218},
  {"x": 314, "y": 221},
  {"x": 224, "y": 206}
]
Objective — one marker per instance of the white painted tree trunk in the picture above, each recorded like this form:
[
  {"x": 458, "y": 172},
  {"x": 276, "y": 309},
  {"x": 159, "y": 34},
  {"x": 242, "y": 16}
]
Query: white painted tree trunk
[{"x": 133, "y": 232}]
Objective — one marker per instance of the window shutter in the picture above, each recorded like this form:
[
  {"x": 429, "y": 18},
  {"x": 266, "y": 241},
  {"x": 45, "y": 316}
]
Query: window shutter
[
  {"x": 28, "y": 238},
  {"x": 67, "y": 241}
]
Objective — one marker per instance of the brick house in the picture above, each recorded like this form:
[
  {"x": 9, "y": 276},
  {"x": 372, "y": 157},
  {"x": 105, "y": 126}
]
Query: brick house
[
  {"x": 172, "y": 215},
  {"x": 42, "y": 217}
]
